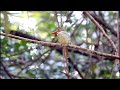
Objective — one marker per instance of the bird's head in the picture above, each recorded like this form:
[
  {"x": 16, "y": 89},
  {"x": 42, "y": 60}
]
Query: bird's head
[{"x": 57, "y": 31}]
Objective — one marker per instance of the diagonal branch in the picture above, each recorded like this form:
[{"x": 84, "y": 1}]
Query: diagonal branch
[
  {"x": 76, "y": 68},
  {"x": 101, "y": 29},
  {"x": 12, "y": 75},
  {"x": 76, "y": 28},
  {"x": 73, "y": 47},
  {"x": 20, "y": 34},
  {"x": 106, "y": 25},
  {"x": 4, "y": 67}
]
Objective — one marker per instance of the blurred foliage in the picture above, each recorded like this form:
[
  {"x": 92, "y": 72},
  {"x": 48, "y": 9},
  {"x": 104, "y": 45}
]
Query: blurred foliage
[{"x": 42, "y": 62}]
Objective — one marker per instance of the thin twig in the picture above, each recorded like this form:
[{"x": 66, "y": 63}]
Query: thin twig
[
  {"x": 4, "y": 67},
  {"x": 73, "y": 24},
  {"x": 68, "y": 15},
  {"x": 73, "y": 47},
  {"x": 56, "y": 17},
  {"x": 33, "y": 61},
  {"x": 61, "y": 19},
  {"x": 12, "y": 75},
  {"x": 118, "y": 34},
  {"x": 68, "y": 76},
  {"x": 76, "y": 68},
  {"x": 77, "y": 26},
  {"x": 117, "y": 61}
]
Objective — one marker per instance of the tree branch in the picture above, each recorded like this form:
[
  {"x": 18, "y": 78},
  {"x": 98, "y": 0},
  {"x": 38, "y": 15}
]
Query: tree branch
[
  {"x": 97, "y": 18},
  {"x": 68, "y": 75},
  {"x": 56, "y": 17},
  {"x": 76, "y": 68},
  {"x": 73, "y": 47},
  {"x": 76, "y": 28},
  {"x": 20, "y": 34},
  {"x": 118, "y": 33},
  {"x": 101, "y": 29},
  {"x": 4, "y": 67}
]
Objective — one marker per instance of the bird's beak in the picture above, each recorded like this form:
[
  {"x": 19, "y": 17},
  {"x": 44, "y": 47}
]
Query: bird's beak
[{"x": 56, "y": 32}]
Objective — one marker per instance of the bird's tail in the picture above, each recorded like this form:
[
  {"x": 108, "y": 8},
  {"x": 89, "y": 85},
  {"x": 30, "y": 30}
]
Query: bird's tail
[{"x": 65, "y": 54}]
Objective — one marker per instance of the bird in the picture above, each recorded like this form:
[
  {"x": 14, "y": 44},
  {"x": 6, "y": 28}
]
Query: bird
[
  {"x": 63, "y": 36},
  {"x": 65, "y": 40}
]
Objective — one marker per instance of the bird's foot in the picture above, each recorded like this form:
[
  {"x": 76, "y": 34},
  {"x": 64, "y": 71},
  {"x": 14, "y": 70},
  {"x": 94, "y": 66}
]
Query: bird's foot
[{"x": 64, "y": 45}]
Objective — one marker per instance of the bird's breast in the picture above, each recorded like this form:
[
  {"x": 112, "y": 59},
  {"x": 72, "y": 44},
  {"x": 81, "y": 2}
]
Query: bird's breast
[{"x": 64, "y": 38}]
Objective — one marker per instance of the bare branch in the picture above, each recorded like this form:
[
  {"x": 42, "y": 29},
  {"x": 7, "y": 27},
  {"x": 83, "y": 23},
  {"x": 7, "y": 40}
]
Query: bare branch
[
  {"x": 76, "y": 28},
  {"x": 73, "y": 47},
  {"x": 76, "y": 68},
  {"x": 10, "y": 74},
  {"x": 4, "y": 67},
  {"x": 56, "y": 17},
  {"x": 118, "y": 27},
  {"x": 20, "y": 34},
  {"x": 68, "y": 75},
  {"x": 97, "y": 18},
  {"x": 101, "y": 29}
]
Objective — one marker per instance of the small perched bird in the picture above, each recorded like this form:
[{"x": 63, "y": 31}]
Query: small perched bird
[
  {"x": 63, "y": 36},
  {"x": 64, "y": 39}
]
